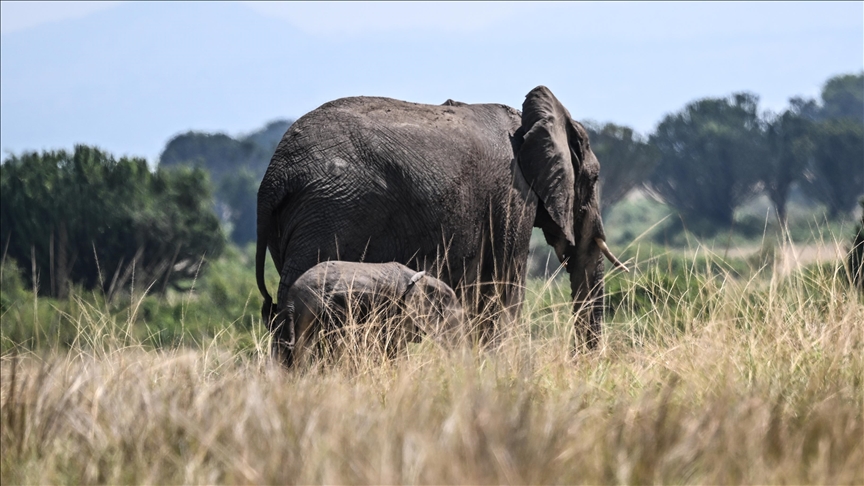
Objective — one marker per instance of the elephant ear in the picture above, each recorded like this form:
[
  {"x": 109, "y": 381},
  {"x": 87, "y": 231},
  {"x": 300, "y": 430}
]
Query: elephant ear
[
  {"x": 412, "y": 283},
  {"x": 546, "y": 158}
]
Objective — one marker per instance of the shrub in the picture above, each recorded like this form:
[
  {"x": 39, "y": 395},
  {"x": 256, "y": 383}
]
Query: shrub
[{"x": 87, "y": 218}]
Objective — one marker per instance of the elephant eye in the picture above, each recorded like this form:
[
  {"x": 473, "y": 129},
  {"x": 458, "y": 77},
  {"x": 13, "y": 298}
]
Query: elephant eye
[{"x": 590, "y": 177}]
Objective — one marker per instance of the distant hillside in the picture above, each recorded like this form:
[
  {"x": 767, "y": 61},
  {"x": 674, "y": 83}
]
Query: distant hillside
[
  {"x": 235, "y": 165},
  {"x": 269, "y": 136},
  {"x": 221, "y": 154}
]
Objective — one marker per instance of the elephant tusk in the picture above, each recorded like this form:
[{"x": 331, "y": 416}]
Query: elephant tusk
[{"x": 609, "y": 255}]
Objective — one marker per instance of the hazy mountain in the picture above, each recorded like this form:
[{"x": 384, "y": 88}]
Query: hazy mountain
[{"x": 223, "y": 155}]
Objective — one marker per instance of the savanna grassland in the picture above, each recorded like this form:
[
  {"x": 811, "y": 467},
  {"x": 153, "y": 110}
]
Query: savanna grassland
[{"x": 712, "y": 369}]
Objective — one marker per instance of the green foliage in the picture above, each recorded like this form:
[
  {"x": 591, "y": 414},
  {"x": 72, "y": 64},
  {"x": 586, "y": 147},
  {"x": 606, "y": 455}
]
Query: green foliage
[
  {"x": 790, "y": 147},
  {"x": 835, "y": 175},
  {"x": 635, "y": 217},
  {"x": 663, "y": 286},
  {"x": 625, "y": 160},
  {"x": 661, "y": 278},
  {"x": 716, "y": 153},
  {"x": 843, "y": 97},
  {"x": 12, "y": 291},
  {"x": 88, "y": 219},
  {"x": 236, "y": 166},
  {"x": 708, "y": 155}
]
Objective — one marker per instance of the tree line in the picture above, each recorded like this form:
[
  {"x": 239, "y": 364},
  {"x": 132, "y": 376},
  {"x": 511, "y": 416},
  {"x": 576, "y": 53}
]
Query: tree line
[
  {"x": 715, "y": 154},
  {"x": 88, "y": 219}
]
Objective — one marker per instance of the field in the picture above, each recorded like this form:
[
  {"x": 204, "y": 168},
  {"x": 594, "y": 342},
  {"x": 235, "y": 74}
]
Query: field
[{"x": 714, "y": 368}]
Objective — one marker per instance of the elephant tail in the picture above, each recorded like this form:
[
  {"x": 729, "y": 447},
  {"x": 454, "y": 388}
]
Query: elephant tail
[
  {"x": 260, "y": 257},
  {"x": 268, "y": 310},
  {"x": 272, "y": 191}
]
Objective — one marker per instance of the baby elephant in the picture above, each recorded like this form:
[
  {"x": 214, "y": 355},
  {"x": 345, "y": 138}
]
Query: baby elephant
[{"x": 407, "y": 303}]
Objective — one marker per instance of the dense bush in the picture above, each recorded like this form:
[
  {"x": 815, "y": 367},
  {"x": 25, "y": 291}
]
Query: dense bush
[{"x": 86, "y": 218}]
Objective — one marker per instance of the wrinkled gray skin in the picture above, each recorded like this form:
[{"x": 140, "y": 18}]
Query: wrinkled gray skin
[
  {"x": 326, "y": 295},
  {"x": 452, "y": 189}
]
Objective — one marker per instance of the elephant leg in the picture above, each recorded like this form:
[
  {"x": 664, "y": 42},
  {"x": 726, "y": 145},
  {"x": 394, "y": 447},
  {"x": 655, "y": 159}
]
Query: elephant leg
[
  {"x": 511, "y": 235},
  {"x": 503, "y": 304},
  {"x": 306, "y": 327},
  {"x": 508, "y": 273},
  {"x": 283, "y": 338},
  {"x": 488, "y": 302},
  {"x": 493, "y": 296},
  {"x": 284, "y": 328}
]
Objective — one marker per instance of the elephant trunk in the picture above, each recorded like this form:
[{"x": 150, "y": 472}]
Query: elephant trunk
[
  {"x": 585, "y": 265},
  {"x": 586, "y": 285}
]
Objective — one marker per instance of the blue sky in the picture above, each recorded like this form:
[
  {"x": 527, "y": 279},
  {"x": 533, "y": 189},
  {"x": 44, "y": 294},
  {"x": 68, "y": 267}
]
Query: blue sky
[{"x": 129, "y": 76}]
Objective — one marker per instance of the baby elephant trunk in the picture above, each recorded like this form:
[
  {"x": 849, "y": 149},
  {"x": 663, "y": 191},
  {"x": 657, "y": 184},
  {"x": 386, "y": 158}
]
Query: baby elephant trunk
[{"x": 283, "y": 330}]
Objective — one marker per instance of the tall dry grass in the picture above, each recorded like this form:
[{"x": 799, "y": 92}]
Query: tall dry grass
[{"x": 719, "y": 380}]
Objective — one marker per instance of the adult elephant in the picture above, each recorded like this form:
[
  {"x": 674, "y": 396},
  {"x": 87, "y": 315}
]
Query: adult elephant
[{"x": 452, "y": 189}]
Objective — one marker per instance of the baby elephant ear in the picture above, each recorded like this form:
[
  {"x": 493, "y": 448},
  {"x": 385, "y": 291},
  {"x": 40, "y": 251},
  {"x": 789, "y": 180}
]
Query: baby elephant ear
[{"x": 545, "y": 156}]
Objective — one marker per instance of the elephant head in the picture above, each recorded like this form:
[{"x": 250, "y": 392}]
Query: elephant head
[
  {"x": 434, "y": 308},
  {"x": 556, "y": 160}
]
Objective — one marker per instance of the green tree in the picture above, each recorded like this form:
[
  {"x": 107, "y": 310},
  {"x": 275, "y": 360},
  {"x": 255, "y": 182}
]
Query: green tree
[
  {"x": 789, "y": 148},
  {"x": 89, "y": 219},
  {"x": 625, "y": 158},
  {"x": 835, "y": 175},
  {"x": 843, "y": 97},
  {"x": 708, "y": 157}
]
